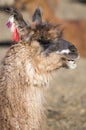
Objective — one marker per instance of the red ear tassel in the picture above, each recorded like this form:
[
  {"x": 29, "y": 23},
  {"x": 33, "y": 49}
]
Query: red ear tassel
[{"x": 16, "y": 35}]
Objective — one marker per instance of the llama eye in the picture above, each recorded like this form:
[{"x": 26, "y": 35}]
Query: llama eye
[{"x": 44, "y": 43}]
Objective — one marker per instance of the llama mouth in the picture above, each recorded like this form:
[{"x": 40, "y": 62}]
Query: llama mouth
[{"x": 71, "y": 64}]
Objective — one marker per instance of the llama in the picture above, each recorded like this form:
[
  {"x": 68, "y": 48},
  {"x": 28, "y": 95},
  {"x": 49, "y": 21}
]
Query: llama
[{"x": 26, "y": 69}]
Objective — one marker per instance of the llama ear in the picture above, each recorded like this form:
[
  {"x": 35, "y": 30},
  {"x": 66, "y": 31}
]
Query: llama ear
[
  {"x": 6, "y": 9},
  {"x": 9, "y": 10},
  {"x": 37, "y": 16}
]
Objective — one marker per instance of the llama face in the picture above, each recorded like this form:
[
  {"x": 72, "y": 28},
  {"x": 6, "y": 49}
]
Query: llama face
[
  {"x": 55, "y": 54},
  {"x": 64, "y": 49}
]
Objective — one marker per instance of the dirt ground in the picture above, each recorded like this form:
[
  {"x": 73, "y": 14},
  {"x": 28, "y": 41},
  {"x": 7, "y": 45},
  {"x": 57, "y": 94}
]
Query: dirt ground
[{"x": 66, "y": 98}]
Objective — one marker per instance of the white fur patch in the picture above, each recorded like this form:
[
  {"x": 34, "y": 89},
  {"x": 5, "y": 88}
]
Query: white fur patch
[
  {"x": 66, "y": 51},
  {"x": 13, "y": 27},
  {"x": 11, "y": 19},
  {"x": 71, "y": 65}
]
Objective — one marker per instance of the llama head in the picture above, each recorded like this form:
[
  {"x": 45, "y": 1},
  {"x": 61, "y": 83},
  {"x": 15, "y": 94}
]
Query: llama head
[
  {"x": 51, "y": 51},
  {"x": 53, "y": 54}
]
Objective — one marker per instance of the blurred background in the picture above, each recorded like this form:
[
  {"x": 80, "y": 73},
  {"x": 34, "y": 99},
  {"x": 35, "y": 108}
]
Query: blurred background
[{"x": 67, "y": 94}]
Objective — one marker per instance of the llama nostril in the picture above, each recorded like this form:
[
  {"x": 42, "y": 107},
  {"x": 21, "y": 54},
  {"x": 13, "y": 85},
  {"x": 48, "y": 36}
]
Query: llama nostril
[{"x": 72, "y": 48}]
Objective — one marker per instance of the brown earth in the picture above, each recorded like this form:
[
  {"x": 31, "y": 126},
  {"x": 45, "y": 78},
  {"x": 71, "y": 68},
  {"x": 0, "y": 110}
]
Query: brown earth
[{"x": 66, "y": 98}]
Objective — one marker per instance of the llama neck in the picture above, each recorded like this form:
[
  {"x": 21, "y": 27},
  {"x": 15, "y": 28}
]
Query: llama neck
[
  {"x": 30, "y": 102},
  {"x": 36, "y": 96},
  {"x": 24, "y": 90},
  {"x": 35, "y": 107}
]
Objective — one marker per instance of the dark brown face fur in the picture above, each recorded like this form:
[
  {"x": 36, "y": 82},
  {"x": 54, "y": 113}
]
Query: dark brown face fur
[{"x": 47, "y": 35}]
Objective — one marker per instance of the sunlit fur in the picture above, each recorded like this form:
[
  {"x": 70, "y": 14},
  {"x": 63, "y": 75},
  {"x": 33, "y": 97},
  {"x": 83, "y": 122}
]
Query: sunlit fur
[{"x": 25, "y": 74}]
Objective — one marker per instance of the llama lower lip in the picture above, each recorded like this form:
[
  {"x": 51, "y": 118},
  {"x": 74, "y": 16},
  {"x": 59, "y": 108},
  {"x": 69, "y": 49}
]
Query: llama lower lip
[
  {"x": 71, "y": 64},
  {"x": 9, "y": 24}
]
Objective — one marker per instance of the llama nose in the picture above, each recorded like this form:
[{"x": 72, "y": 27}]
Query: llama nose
[
  {"x": 67, "y": 48},
  {"x": 73, "y": 52},
  {"x": 72, "y": 48}
]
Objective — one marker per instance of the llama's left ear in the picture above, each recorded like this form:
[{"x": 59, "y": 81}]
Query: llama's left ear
[{"x": 37, "y": 16}]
